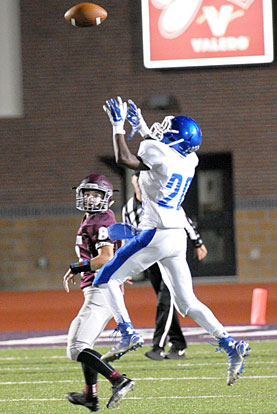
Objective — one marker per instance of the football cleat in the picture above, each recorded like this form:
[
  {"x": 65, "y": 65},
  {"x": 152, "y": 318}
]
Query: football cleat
[
  {"x": 237, "y": 353},
  {"x": 110, "y": 356},
  {"x": 92, "y": 403},
  {"x": 176, "y": 354},
  {"x": 130, "y": 340},
  {"x": 157, "y": 354},
  {"x": 119, "y": 391}
]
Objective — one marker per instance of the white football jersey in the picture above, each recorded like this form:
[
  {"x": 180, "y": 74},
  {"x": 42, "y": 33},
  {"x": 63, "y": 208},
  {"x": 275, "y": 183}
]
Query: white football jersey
[{"x": 165, "y": 185}]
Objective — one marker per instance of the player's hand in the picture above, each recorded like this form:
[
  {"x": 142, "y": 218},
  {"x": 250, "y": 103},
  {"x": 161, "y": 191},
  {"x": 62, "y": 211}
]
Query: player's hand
[
  {"x": 136, "y": 120},
  {"x": 201, "y": 252},
  {"x": 117, "y": 112},
  {"x": 69, "y": 276},
  {"x": 129, "y": 281}
]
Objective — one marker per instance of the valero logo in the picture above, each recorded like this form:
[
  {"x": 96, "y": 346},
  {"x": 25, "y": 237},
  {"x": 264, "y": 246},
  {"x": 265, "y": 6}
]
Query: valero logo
[{"x": 206, "y": 32}]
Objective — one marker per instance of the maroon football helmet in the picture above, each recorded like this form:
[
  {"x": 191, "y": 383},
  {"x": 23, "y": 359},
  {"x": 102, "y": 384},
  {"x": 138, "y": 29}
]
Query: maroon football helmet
[{"x": 94, "y": 182}]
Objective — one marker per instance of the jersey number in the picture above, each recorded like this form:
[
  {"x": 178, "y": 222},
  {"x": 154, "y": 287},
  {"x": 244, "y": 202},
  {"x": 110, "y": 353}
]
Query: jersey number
[
  {"x": 175, "y": 182},
  {"x": 103, "y": 233}
]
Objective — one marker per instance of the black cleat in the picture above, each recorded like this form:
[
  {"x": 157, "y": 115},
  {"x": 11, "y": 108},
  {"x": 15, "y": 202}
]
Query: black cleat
[
  {"x": 176, "y": 354},
  {"x": 157, "y": 354},
  {"x": 119, "y": 391},
  {"x": 92, "y": 403}
]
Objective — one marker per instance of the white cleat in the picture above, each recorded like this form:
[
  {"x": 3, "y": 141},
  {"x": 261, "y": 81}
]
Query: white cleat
[
  {"x": 127, "y": 343},
  {"x": 237, "y": 353},
  {"x": 119, "y": 391}
]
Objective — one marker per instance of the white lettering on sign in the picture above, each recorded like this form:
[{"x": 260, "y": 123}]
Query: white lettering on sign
[{"x": 221, "y": 44}]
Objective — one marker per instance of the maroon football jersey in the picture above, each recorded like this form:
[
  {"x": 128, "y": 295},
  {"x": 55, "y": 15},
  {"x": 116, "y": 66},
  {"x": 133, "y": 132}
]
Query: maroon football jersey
[{"x": 92, "y": 235}]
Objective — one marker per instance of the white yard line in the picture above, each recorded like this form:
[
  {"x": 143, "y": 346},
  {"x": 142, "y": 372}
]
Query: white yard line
[
  {"x": 48, "y": 369},
  {"x": 35, "y": 382},
  {"x": 184, "y": 364},
  {"x": 179, "y": 364},
  {"x": 140, "y": 379},
  {"x": 182, "y": 397},
  {"x": 31, "y": 358}
]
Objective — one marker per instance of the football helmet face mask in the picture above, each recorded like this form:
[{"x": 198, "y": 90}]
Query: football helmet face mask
[
  {"x": 95, "y": 182},
  {"x": 180, "y": 133}
]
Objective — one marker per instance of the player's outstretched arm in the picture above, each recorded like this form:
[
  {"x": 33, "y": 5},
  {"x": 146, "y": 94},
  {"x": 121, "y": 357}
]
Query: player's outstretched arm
[
  {"x": 123, "y": 155},
  {"x": 117, "y": 111},
  {"x": 136, "y": 120}
]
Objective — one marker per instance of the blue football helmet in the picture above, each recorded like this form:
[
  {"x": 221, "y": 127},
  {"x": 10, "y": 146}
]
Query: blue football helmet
[{"x": 180, "y": 133}]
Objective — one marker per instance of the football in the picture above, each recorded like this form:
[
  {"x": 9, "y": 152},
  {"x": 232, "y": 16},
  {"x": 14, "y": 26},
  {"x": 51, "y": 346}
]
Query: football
[{"x": 85, "y": 15}]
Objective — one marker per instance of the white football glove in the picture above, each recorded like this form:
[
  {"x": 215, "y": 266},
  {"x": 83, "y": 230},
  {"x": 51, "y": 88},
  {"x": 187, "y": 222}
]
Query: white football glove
[
  {"x": 136, "y": 120},
  {"x": 117, "y": 111}
]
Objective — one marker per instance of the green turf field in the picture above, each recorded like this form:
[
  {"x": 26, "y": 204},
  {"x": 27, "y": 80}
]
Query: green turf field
[{"x": 35, "y": 380}]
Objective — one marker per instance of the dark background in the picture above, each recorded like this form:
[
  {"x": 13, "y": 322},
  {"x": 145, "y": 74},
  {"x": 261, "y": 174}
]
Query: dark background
[
  {"x": 69, "y": 72},
  {"x": 64, "y": 135}
]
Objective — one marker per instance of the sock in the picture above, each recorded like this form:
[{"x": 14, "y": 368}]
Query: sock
[
  {"x": 94, "y": 390},
  {"x": 114, "y": 377},
  {"x": 223, "y": 335},
  {"x": 91, "y": 390}
]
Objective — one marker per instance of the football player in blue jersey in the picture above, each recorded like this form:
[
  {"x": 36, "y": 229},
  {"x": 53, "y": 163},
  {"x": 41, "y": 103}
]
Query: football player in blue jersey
[{"x": 166, "y": 159}]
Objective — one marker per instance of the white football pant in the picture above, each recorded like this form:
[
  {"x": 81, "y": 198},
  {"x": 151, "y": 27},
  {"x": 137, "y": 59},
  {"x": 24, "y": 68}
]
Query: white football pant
[
  {"x": 89, "y": 323},
  {"x": 168, "y": 248}
]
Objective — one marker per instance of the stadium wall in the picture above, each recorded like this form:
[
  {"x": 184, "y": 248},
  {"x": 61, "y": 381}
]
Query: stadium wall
[
  {"x": 68, "y": 73},
  {"x": 36, "y": 251}
]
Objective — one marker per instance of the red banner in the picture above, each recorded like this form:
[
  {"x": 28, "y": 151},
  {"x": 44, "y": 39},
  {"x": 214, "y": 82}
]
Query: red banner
[{"x": 178, "y": 33}]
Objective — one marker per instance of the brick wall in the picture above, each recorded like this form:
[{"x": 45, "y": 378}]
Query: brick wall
[
  {"x": 36, "y": 252},
  {"x": 27, "y": 242},
  {"x": 256, "y": 240},
  {"x": 68, "y": 73}
]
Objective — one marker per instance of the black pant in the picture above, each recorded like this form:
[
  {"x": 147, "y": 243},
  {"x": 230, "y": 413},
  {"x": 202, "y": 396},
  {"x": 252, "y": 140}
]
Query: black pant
[{"x": 174, "y": 332}]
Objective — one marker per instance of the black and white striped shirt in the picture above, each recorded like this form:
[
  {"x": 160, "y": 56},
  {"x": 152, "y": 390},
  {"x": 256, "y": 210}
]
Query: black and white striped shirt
[{"x": 131, "y": 213}]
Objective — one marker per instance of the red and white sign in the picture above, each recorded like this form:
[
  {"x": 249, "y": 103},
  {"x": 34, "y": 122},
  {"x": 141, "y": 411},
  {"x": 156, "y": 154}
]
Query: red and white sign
[{"x": 179, "y": 33}]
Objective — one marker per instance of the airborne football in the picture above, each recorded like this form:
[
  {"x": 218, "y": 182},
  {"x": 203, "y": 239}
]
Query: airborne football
[{"x": 86, "y": 15}]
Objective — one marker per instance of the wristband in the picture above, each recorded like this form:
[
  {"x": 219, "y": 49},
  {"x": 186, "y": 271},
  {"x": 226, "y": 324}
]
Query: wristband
[
  {"x": 119, "y": 129},
  {"x": 144, "y": 130},
  {"x": 82, "y": 266},
  {"x": 197, "y": 243}
]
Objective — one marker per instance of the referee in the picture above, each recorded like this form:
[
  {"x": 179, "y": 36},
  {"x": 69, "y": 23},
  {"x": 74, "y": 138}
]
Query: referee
[{"x": 167, "y": 320}]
